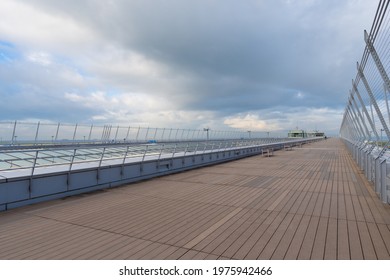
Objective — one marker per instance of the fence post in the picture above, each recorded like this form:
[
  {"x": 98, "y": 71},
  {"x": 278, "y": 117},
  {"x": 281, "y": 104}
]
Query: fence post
[
  {"x": 161, "y": 150},
  {"x": 36, "y": 133},
  {"x": 116, "y": 133},
  {"x": 58, "y": 128},
  {"x": 13, "y": 134},
  {"x": 174, "y": 151},
  {"x": 146, "y": 149},
  {"x": 177, "y": 131},
  {"x": 155, "y": 133},
  {"x": 90, "y": 133},
  {"x": 75, "y": 130},
  {"x": 136, "y": 138},
  {"x": 34, "y": 163},
  {"x": 146, "y": 136},
  {"x": 71, "y": 162},
  {"x": 127, "y": 135}
]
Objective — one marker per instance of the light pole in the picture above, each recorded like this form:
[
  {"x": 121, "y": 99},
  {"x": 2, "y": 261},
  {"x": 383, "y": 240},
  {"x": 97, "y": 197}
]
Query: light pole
[
  {"x": 249, "y": 132},
  {"x": 207, "y": 130}
]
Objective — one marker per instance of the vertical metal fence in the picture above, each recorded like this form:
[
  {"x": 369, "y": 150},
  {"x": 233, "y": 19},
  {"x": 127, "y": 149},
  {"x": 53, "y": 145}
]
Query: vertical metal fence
[{"x": 366, "y": 121}]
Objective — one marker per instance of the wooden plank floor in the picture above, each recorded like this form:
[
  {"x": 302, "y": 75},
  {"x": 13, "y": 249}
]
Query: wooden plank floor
[{"x": 308, "y": 203}]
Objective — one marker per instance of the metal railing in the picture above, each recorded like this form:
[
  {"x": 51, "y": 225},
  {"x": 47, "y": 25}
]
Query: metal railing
[
  {"x": 366, "y": 121},
  {"x": 60, "y": 159},
  {"x": 17, "y": 133}
]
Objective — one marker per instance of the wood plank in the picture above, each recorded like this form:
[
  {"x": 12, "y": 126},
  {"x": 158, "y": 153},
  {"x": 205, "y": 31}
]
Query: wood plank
[
  {"x": 265, "y": 235},
  {"x": 319, "y": 205},
  {"x": 377, "y": 241},
  {"x": 365, "y": 238},
  {"x": 284, "y": 244},
  {"x": 343, "y": 250},
  {"x": 176, "y": 254},
  {"x": 166, "y": 253},
  {"x": 325, "y": 212},
  {"x": 333, "y": 206},
  {"x": 255, "y": 233},
  {"x": 311, "y": 205},
  {"x": 358, "y": 209},
  {"x": 350, "y": 212},
  {"x": 241, "y": 239},
  {"x": 385, "y": 233},
  {"x": 224, "y": 232},
  {"x": 308, "y": 241},
  {"x": 318, "y": 251},
  {"x": 276, "y": 237},
  {"x": 211, "y": 229},
  {"x": 354, "y": 241},
  {"x": 295, "y": 246}
]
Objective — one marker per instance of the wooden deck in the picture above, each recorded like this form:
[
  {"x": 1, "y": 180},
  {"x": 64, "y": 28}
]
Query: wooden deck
[{"x": 308, "y": 203}]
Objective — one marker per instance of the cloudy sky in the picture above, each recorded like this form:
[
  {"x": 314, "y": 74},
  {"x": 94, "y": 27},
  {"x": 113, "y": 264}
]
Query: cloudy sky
[{"x": 226, "y": 64}]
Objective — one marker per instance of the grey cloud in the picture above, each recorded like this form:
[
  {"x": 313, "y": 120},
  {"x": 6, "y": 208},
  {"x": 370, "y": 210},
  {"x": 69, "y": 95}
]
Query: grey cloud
[{"x": 237, "y": 56}]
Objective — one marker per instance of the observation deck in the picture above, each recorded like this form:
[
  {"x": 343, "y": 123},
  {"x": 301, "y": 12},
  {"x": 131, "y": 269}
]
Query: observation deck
[{"x": 311, "y": 202}]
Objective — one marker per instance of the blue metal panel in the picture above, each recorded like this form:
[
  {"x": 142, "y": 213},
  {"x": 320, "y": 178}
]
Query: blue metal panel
[
  {"x": 108, "y": 175},
  {"x": 48, "y": 185},
  {"x": 14, "y": 191},
  {"x": 82, "y": 179},
  {"x": 131, "y": 171}
]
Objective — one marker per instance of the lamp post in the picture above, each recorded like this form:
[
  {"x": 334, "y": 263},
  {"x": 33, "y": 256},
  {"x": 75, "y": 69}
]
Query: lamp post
[
  {"x": 249, "y": 132},
  {"x": 207, "y": 130}
]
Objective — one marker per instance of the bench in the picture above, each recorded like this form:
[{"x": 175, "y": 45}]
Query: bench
[
  {"x": 288, "y": 147},
  {"x": 267, "y": 151}
]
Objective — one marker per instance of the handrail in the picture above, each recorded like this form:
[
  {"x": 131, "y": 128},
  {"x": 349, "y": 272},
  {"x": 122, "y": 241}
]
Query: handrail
[{"x": 39, "y": 158}]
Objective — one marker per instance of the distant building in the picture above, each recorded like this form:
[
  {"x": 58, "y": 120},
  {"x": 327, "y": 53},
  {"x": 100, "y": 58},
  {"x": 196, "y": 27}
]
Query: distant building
[
  {"x": 300, "y": 133},
  {"x": 297, "y": 133},
  {"x": 315, "y": 134}
]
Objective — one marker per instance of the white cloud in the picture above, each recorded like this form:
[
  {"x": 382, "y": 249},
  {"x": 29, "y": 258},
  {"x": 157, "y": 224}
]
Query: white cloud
[
  {"x": 284, "y": 119},
  {"x": 41, "y": 58},
  {"x": 251, "y": 122},
  {"x": 29, "y": 26}
]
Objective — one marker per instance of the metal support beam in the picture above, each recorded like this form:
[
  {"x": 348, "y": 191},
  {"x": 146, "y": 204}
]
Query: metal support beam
[
  {"x": 356, "y": 119},
  {"x": 360, "y": 116},
  {"x": 377, "y": 61},
  {"x": 355, "y": 130},
  {"x": 364, "y": 109},
  {"x": 374, "y": 103}
]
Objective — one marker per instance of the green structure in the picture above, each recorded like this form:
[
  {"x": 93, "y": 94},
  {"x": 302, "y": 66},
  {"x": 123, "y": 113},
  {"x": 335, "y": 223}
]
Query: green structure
[
  {"x": 300, "y": 133},
  {"x": 297, "y": 133}
]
